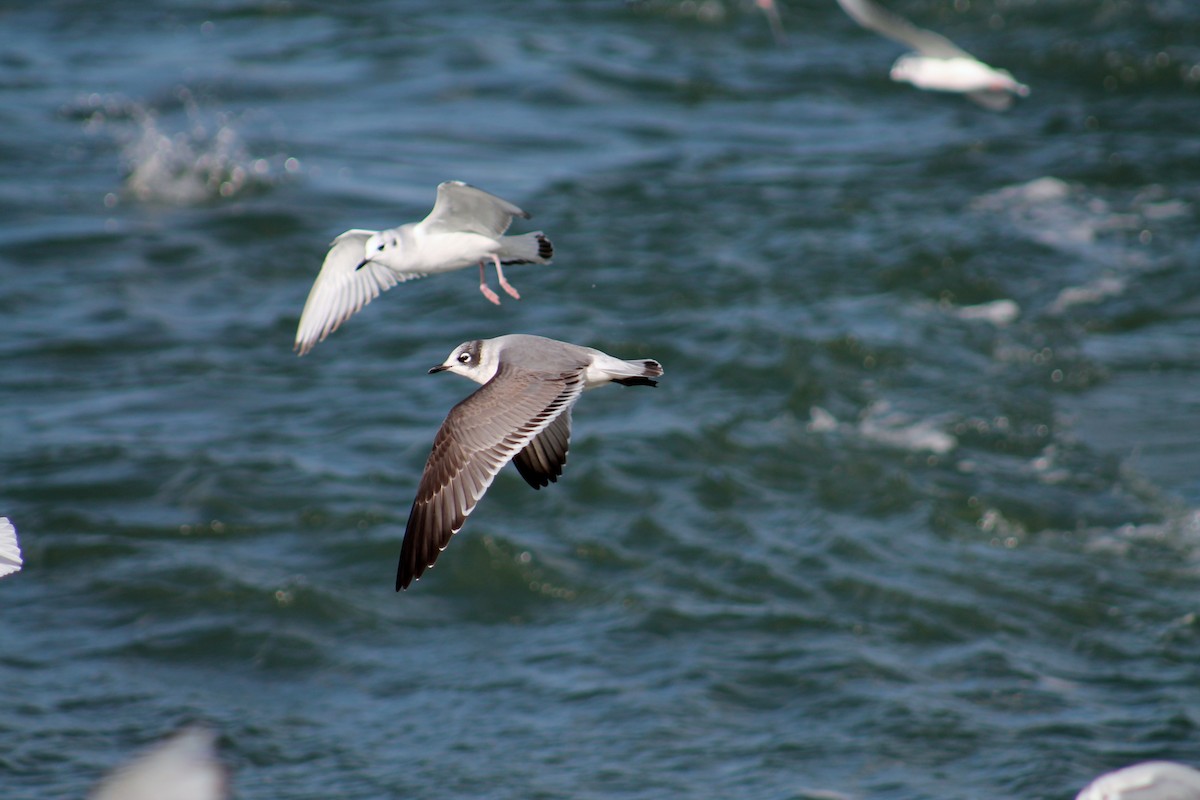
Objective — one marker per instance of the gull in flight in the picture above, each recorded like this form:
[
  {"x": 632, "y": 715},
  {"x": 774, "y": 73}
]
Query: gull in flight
[
  {"x": 521, "y": 413},
  {"x": 937, "y": 64},
  {"x": 1150, "y": 780},
  {"x": 10, "y": 550},
  {"x": 465, "y": 227}
]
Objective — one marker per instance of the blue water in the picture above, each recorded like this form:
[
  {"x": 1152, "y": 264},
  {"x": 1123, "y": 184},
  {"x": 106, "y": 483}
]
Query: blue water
[{"x": 914, "y": 512}]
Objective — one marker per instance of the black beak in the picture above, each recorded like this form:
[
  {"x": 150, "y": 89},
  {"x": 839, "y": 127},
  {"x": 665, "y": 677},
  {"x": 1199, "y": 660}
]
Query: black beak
[
  {"x": 362, "y": 264},
  {"x": 438, "y": 368}
]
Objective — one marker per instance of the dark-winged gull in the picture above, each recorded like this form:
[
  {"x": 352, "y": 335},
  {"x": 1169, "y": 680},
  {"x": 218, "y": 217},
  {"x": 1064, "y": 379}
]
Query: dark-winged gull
[
  {"x": 465, "y": 227},
  {"x": 937, "y": 64},
  {"x": 522, "y": 413}
]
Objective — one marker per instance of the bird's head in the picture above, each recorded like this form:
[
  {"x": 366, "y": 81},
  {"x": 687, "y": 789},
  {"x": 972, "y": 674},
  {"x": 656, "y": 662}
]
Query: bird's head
[
  {"x": 379, "y": 245},
  {"x": 474, "y": 360}
]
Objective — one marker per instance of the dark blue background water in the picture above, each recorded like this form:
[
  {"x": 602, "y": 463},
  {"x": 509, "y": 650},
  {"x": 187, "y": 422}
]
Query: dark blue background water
[{"x": 913, "y": 513}]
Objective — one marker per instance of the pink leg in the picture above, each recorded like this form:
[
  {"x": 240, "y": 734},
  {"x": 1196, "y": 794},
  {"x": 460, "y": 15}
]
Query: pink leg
[
  {"x": 483, "y": 287},
  {"x": 505, "y": 285},
  {"x": 768, "y": 7}
]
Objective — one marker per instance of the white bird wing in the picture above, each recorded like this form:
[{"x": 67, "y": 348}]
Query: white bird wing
[
  {"x": 875, "y": 17},
  {"x": 342, "y": 289},
  {"x": 1150, "y": 780},
  {"x": 183, "y": 767},
  {"x": 480, "y": 435},
  {"x": 10, "y": 550},
  {"x": 462, "y": 207}
]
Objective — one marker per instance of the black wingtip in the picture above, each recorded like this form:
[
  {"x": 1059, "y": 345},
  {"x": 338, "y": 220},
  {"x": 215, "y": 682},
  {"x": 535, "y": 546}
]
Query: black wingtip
[
  {"x": 545, "y": 248},
  {"x": 407, "y": 570},
  {"x": 406, "y": 577},
  {"x": 636, "y": 381}
]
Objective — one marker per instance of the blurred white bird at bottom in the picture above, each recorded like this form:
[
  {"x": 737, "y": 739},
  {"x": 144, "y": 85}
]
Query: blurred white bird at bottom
[
  {"x": 183, "y": 766},
  {"x": 1151, "y": 780}
]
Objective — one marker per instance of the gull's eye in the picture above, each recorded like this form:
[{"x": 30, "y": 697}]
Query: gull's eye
[
  {"x": 380, "y": 247},
  {"x": 464, "y": 358}
]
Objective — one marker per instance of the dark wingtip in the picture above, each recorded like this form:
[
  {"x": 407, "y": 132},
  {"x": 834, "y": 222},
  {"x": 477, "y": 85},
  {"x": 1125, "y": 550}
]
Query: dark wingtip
[
  {"x": 545, "y": 248},
  {"x": 638, "y": 381},
  {"x": 408, "y": 567}
]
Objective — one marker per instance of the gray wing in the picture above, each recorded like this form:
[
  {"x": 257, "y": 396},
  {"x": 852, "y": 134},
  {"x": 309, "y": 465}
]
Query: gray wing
[
  {"x": 542, "y": 460},
  {"x": 895, "y": 27},
  {"x": 341, "y": 289},
  {"x": 461, "y": 207},
  {"x": 480, "y": 435}
]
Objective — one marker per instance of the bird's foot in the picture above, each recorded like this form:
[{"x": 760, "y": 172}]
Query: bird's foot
[{"x": 505, "y": 285}]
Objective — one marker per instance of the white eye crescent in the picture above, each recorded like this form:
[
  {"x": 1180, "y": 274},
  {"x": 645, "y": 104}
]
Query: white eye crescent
[{"x": 463, "y": 358}]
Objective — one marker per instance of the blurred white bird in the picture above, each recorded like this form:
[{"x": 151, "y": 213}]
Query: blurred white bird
[
  {"x": 1151, "y": 780},
  {"x": 10, "y": 549},
  {"x": 938, "y": 63},
  {"x": 465, "y": 227},
  {"x": 182, "y": 767}
]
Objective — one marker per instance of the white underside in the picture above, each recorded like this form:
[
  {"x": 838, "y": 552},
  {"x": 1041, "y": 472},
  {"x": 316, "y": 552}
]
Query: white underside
[{"x": 954, "y": 75}]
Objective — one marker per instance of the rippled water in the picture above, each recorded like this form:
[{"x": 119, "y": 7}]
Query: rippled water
[{"x": 913, "y": 513}]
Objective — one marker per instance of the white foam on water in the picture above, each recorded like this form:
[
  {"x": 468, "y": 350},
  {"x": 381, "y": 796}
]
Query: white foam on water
[
  {"x": 203, "y": 161},
  {"x": 881, "y": 425},
  {"x": 998, "y": 312},
  {"x": 896, "y": 430},
  {"x": 1089, "y": 294}
]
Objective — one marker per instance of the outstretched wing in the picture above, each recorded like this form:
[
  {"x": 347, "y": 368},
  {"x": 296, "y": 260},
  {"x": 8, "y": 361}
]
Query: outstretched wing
[
  {"x": 186, "y": 765},
  {"x": 342, "y": 289},
  {"x": 462, "y": 207},
  {"x": 480, "y": 435},
  {"x": 875, "y": 17},
  {"x": 10, "y": 551},
  {"x": 542, "y": 460}
]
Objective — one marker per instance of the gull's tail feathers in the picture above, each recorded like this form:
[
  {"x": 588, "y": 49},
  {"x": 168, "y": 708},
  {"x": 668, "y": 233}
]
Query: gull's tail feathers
[
  {"x": 645, "y": 372},
  {"x": 528, "y": 248}
]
